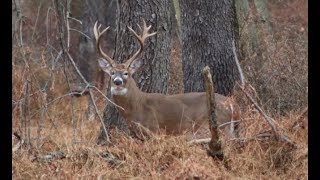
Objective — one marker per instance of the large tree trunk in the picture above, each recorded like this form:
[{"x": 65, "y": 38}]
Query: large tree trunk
[
  {"x": 153, "y": 75},
  {"x": 88, "y": 12},
  {"x": 208, "y": 38}
]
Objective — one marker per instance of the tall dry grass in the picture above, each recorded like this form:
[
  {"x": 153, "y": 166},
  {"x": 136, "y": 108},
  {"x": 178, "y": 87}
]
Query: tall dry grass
[
  {"x": 278, "y": 66},
  {"x": 164, "y": 157}
]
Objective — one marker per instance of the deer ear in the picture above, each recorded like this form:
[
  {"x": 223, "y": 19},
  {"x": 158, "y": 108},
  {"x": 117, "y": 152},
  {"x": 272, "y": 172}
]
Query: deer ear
[
  {"x": 134, "y": 66},
  {"x": 105, "y": 66}
]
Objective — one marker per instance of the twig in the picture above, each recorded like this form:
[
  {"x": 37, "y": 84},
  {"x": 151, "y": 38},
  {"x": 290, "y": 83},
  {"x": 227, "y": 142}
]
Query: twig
[
  {"x": 35, "y": 26},
  {"x": 26, "y": 112},
  {"x": 242, "y": 80},
  {"x": 48, "y": 23},
  {"x": 227, "y": 123},
  {"x": 107, "y": 98},
  {"x": 65, "y": 95},
  {"x": 100, "y": 118},
  {"x": 68, "y": 25},
  {"x": 70, "y": 59},
  {"x": 51, "y": 156},
  {"x": 268, "y": 119},
  {"x": 199, "y": 141},
  {"x": 77, "y": 20},
  {"x": 71, "y": 29}
]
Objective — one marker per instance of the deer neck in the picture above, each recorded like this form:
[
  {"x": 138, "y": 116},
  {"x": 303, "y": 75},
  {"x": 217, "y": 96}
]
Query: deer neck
[{"x": 131, "y": 100}]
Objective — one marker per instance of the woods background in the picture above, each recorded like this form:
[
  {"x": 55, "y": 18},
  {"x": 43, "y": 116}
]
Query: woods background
[{"x": 60, "y": 94}]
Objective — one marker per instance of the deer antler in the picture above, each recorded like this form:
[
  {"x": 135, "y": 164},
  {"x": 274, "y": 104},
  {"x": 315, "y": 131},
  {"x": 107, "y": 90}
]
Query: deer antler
[
  {"x": 141, "y": 39},
  {"x": 98, "y": 34}
]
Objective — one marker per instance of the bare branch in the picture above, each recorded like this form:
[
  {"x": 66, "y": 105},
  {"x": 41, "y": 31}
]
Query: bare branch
[
  {"x": 35, "y": 26},
  {"x": 100, "y": 118},
  {"x": 227, "y": 123},
  {"x": 107, "y": 98},
  {"x": 199, "y": 141},
  {"x": 268, "y": 119},
  {"x": 71, "y": 29},
  {"x": 77, "y": 20},
  {"x": 70, "y": 59}
]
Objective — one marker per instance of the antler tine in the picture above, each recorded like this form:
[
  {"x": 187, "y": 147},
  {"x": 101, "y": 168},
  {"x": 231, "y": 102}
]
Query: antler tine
[
  {"x": 146, "y": 29},
  {"x": 141, "y": 38},
  {"x": 98, "y": 34},
  {"x": 139, "y": 27}
]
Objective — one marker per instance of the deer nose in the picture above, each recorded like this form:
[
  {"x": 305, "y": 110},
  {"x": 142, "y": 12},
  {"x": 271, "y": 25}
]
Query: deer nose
[{"x": 117, "y": 81}]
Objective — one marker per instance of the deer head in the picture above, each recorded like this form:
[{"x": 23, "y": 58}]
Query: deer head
[{"x": 121, "y": 73}]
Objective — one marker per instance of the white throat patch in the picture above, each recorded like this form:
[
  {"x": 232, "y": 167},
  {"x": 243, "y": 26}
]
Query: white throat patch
[{"x": 118, "y": 91}]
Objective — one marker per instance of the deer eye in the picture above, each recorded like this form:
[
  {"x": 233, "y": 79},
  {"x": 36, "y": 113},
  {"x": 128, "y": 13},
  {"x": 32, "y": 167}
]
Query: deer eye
[
  {"x": 126, "y": 73},
  {"x": 112, "y": 73}
]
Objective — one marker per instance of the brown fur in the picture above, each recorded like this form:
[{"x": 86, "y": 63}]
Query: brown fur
[{"x": 174, "y": 113}]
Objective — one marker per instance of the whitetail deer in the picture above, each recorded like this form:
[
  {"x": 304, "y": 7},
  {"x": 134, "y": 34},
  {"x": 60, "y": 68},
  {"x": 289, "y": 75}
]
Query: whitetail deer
[{"x": 173, "y": 113}]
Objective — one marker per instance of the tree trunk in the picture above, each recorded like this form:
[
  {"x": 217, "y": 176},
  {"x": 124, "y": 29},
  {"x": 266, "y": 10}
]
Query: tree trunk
[
  {"x": 153, "y": 75},
  {"x": 88, "y": 12},
  {"x": 208, "y": 38}
]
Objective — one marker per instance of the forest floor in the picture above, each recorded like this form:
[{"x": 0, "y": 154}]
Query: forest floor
[{"x": 64, "y": 145}]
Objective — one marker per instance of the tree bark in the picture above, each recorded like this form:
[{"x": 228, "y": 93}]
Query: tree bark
[
  {"x": 153, "y": 75},
  {"x": 88, "y": 12},
  {"x": 208, "y": 35}
]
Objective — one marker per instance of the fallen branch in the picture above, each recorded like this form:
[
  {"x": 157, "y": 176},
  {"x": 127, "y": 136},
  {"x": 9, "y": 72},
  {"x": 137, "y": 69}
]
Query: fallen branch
[
  {"x": 199, "y": 141},
  {"x": 227, "y": 123},
  {"x": 50, "y": 156},
  {"x": 268, "y": 119}
]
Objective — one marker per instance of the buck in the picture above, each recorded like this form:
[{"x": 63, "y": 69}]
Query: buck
[{"x": 174, "y": 114}]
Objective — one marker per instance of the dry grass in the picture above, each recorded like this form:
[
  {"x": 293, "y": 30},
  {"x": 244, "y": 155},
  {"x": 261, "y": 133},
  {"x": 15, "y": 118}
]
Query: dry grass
[
  {"x": 278, "y": 67},
  {"x": 162, "y": 157}
]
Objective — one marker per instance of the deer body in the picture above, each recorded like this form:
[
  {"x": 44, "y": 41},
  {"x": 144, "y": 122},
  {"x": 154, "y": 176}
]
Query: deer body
[{"x": 173, "y": 113}]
